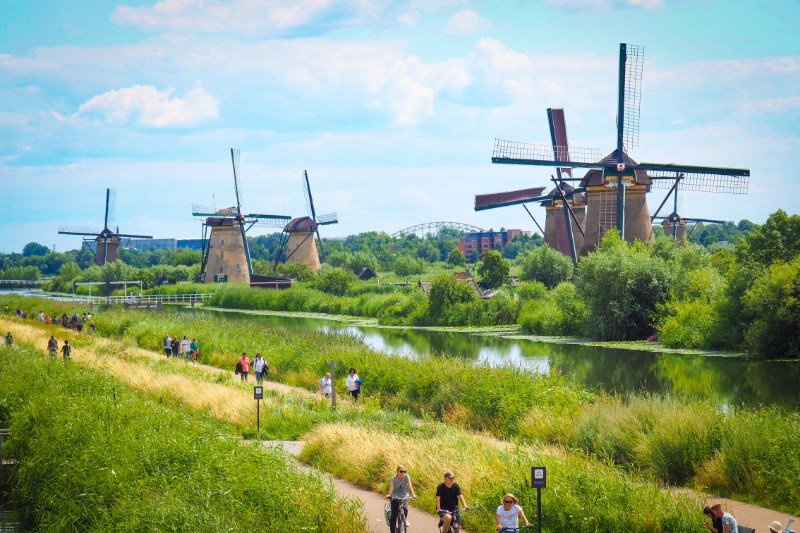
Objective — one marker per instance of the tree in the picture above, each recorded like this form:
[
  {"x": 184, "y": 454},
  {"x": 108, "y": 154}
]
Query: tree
[
  {"x": 493, "y": 269},
  {"x": 456, "y": 258},
  {"x": 774, "y": 303},
  {"x": 34, "y": 248},
  {"x": 778, "y": 239},
  {"x": 446, "y": 292},
  {"x": 545, "y": 265},
  {"x": 408, "y": 266},
  {"x": 334, "y": 281},
  {"x": 623, "y": 286}
]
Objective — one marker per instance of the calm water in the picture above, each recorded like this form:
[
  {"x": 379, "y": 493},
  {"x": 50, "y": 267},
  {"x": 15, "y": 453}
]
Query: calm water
[{"x": 727, "y": 380}]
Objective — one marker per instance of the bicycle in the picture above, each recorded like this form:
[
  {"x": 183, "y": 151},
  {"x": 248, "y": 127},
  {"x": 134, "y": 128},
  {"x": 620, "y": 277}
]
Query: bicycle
[
  {"x": 455, "y": 524},
  {"x": 401, "y": 518},
  {"x": 789, "y": 523}
]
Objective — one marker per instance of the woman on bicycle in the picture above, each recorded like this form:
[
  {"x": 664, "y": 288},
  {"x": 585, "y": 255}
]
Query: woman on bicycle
[
  {"x": 400, "y": 488},
  {"x": 509, "y": 513}
]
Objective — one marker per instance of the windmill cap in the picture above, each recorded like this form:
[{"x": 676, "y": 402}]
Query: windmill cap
[{"x": 776, "y": 527}]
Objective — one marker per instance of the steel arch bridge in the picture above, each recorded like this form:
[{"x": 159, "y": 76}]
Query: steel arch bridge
[{"x": 429, "y": 227}]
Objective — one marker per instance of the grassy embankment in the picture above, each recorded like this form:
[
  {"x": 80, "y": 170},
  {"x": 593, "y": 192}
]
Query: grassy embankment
[
  {"x": 487, "y": 467},
  {"x": 94, "y": 455},
  {"x": 749, "y": 454}
]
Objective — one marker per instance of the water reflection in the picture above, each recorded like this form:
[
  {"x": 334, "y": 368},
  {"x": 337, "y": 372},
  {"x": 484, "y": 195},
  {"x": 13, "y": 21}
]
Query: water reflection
[{"x": 726, "y": 380}]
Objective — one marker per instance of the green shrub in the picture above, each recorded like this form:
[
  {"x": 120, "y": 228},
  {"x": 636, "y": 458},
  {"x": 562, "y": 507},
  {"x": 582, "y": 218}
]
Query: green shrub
[
  {"x": 559, "y": 312},
  {"x": 408, "y": 266},
  {"x": 545, "y": 265},
  {"x": 774, "y": 303},
  {"x": 335, "y": 281}
]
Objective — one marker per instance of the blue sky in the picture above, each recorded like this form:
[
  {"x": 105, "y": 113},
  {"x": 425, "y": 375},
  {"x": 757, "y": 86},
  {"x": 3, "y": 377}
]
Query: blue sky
[{"x": 392, "y": 107}]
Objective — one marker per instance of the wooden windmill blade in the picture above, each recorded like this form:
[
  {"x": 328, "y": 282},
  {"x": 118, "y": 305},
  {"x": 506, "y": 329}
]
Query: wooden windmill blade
[
  {"x": 79, "y": 230},
  {"x": 502, "y": 199},
  {"x": 699, "y": 178},
  {"x": 558, "y": 136},
  {"x": 631, "y": 65},
  {"x": 507, "y": 152}
]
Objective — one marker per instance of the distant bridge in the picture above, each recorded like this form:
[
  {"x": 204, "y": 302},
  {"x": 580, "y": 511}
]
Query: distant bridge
[
  {"x": 426, "y": 227},
  {"x": 4, "y": 283}
]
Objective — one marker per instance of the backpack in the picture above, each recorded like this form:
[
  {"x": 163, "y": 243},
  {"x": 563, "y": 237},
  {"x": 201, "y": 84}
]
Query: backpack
[{"x": 238, "y": 368}]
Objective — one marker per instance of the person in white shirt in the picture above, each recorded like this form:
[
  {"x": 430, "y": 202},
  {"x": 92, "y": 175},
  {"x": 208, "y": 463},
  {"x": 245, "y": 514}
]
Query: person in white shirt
[
  {"x": 185, "y": 348},
  {"x": 325, "y": 385},
  {"x": 354, "y": 384},
  {"x": 259, "y": 364},
  {"x": 509, "y": 513}
]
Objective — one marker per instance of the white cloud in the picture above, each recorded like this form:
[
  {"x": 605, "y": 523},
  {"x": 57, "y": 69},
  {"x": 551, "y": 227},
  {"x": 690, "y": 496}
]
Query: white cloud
[
  {"x": 465, "y": 22},
  {"x": 152, "y": 108},
  {"x": 252, "y": 17},
  {"x": 771, "y": 105},
  {"x": 409, "y": 18},
  {"x": 580, "y": 5}
]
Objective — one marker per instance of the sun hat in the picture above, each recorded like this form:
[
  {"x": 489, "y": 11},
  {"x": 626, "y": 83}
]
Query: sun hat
[{"x": 776, "y": 527}]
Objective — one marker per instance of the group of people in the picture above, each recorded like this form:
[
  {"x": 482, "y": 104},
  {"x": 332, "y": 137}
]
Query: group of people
[
  {"x": 449, "y": 502},
  {"x": 353, "y": 383},
  {"x": 74, "y": 321},
  {"x": 258, "y": 364},
  {"x": 174, "y": 347}
]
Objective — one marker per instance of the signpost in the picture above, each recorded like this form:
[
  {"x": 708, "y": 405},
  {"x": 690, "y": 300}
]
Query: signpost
[
  {"x": 332, "y": 370},
  {"x": 539, "y": 481},
  {"x": 258, "y": 395}
]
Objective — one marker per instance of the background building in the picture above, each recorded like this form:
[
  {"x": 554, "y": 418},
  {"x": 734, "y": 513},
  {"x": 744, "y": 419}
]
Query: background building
[{"x": 474, "y": 244}]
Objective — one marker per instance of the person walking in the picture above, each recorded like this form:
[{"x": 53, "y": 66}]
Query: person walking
[
  {"x": 194, "y": 348},
  {"x": 244, "y": 364},
  {"x": 175, "y": 346},
  {"x": 66, "y": 350},
  {"x": 326, "y": 385},
  {"x": 185, "y": 346},
  {"x": 258, "y": 367},
  {"x": 167, "y": 345},
  {"x": 9, "y": 339},
  {"x": 52, "y": 346},
  {"x": 400, "y": 488},
  {"x": 353, "y": 384}
]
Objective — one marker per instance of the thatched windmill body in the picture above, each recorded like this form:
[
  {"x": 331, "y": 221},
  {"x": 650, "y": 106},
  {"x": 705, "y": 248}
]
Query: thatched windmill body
[
  {"x": 562, "y": 231},
  {"x": 106, "y": 241},
  {"x": 616, "y": 185},
  {"x": 226, "y": 255},
  {"x": 298, "y": 244}
]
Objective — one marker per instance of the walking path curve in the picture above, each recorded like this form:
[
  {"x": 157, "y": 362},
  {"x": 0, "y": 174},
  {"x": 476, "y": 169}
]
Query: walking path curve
[{"x": 373, "y": 503}]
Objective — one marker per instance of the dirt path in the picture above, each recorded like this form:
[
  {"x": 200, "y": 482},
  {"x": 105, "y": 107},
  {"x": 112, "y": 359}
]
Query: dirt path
[
  {"x": 31, "y": 332},
  {"x": 373, "y": 503}
]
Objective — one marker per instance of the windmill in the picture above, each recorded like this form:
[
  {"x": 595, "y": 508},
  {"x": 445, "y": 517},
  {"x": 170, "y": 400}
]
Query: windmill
[
  {"x": 226, "y": 256},
  {"x": 106, "y": 241},
  {"x": 616, "y": 185},
  {"x": 559, "y": 232},
  {"x": 674, "y": 224},
  {"x": 297, "y": 244}
]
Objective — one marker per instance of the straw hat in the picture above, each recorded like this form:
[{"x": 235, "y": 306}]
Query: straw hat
[{"x": 776, "y": 527}]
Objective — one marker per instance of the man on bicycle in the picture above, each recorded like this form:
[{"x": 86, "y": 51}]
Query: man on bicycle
[{"x": 448, "y": 496}]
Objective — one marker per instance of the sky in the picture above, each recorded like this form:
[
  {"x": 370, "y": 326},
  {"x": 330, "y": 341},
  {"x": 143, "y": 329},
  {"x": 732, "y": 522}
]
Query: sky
[{"x": 391, "y": 107}]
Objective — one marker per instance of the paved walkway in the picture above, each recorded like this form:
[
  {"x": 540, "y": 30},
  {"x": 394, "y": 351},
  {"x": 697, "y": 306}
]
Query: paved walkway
[{"x": 373, "y": 502}]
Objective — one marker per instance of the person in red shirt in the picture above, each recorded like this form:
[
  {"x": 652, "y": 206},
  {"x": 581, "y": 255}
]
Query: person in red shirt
[{"x": 244, "y": 364}]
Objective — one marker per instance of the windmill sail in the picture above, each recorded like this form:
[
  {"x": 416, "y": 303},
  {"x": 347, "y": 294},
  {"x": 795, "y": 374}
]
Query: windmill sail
[
  {"x": 502, "y": 199},
  {"x": 546, "y": 155},
  {"x": 632, "y": 91}
]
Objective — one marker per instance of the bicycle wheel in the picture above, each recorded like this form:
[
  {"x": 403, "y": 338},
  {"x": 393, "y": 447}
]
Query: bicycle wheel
[{"x": 400, "y": 524}]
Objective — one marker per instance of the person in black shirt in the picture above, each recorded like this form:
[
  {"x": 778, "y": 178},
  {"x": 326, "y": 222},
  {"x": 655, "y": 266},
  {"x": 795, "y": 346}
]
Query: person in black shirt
[
  {"x": 66, "y": 350},
  {"x": 448, "y": 496},
  {"x": 715, "y": 526}
]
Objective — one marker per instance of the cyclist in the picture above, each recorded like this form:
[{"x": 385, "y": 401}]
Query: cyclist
[
  {"x": 448, "y": 496},
  {"x": 509, "y": 513},
  {"x": 400, "y": 488}
]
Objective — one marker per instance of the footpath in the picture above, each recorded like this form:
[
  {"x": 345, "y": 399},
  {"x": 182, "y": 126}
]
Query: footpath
[{"x": 746, "y": 514}]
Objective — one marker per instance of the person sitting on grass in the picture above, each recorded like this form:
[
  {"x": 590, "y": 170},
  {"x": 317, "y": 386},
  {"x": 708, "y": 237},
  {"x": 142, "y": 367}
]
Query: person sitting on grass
[{"x": 729, "y": 524}]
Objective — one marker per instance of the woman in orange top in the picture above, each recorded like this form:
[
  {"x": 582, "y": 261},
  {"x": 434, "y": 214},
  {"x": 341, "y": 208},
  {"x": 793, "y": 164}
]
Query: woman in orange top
[{"x": 245, "y": 366}]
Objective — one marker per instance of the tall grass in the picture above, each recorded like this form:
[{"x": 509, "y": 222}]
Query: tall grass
[
  {"x": 581, "y": 496},
  {"x": 95, "y": 456},
  {"x": 675, "y": 441}
]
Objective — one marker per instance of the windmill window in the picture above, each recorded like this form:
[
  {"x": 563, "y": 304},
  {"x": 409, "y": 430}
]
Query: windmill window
[
  {"x": 222, "y": 268},
  {"x": 222, "y": 241},
  {"x": 238, "y": 266},
  {"x": 222, "y": 255}
]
